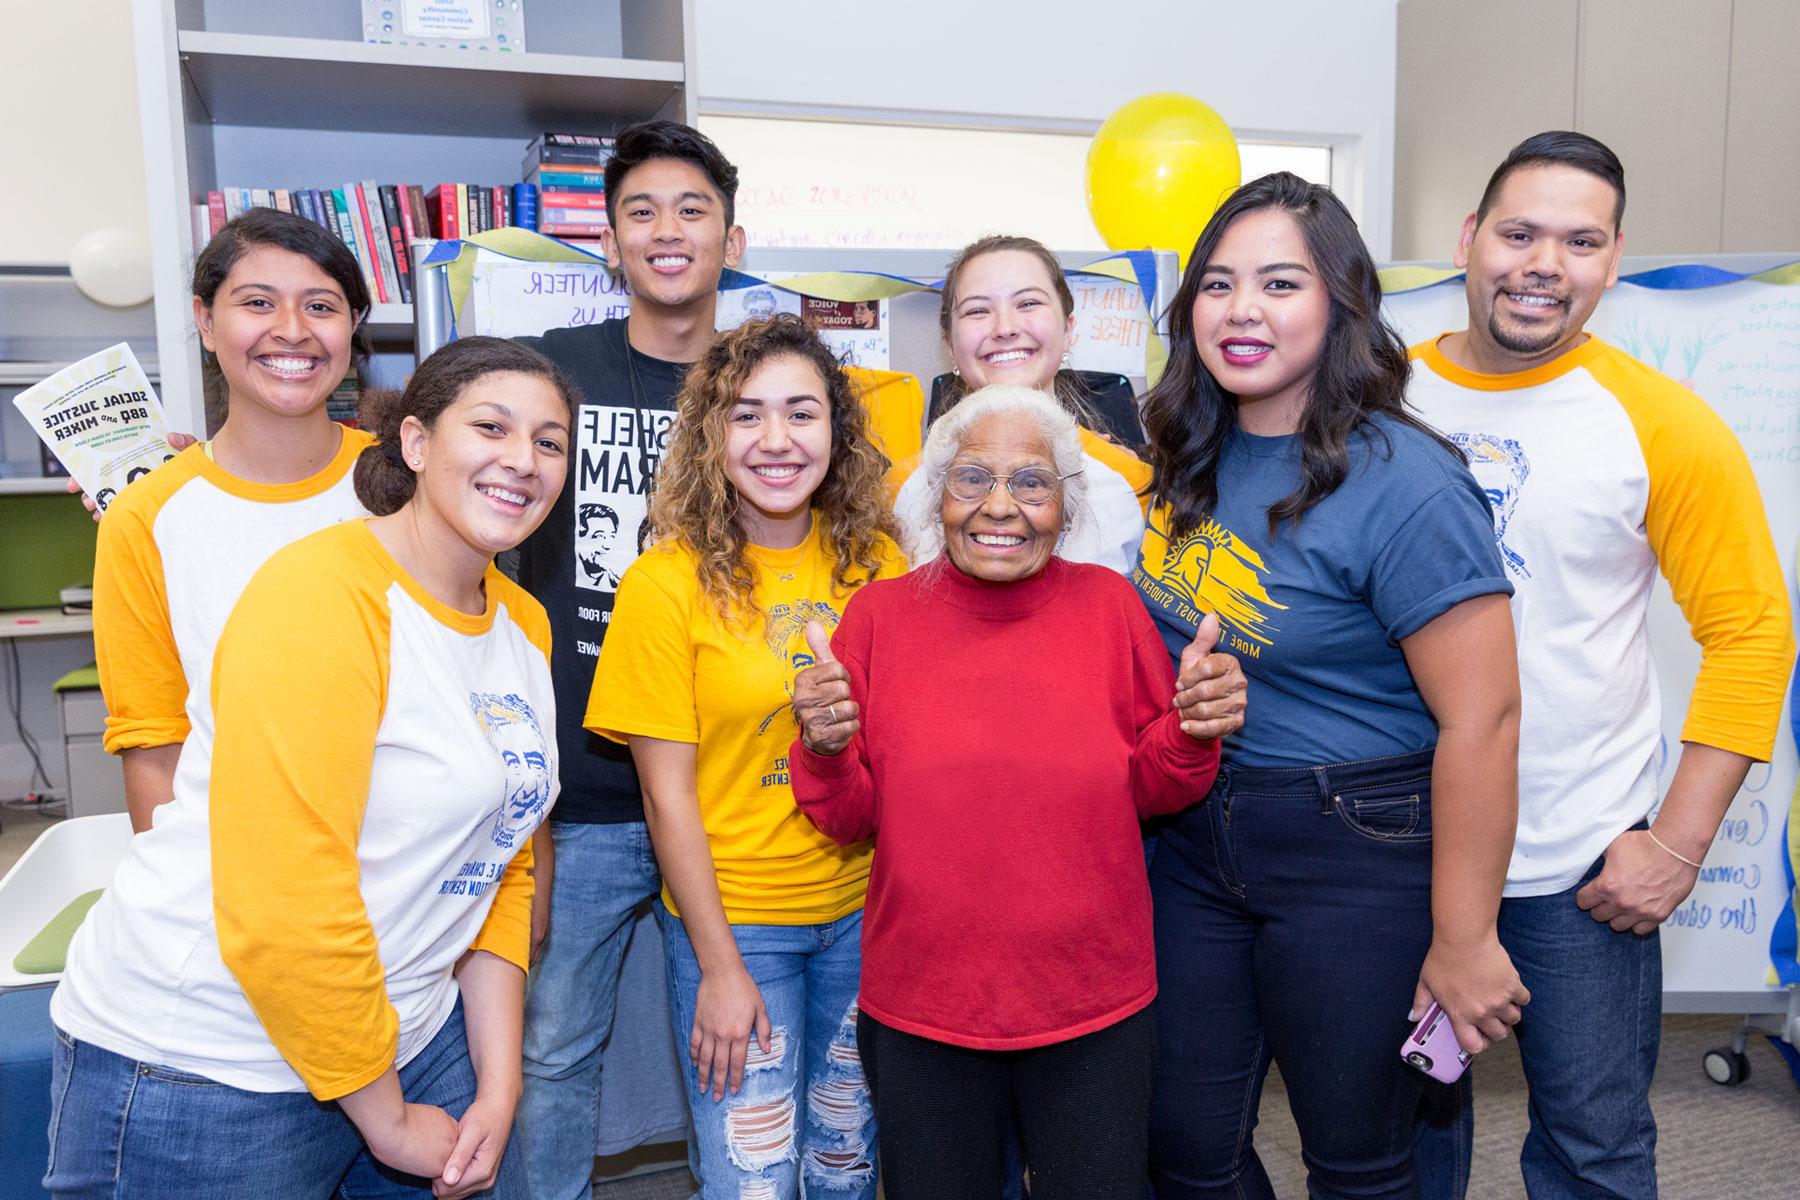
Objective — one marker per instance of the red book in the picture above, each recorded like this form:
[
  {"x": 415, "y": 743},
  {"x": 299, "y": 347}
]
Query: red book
[
  {"x": 497, "y": 206},
  {"x": 215, "y": 211},
  {"x": 553, "y": 198},
  {"x": 442, "y": 202},
  {"x": 359, "y": 205},
  {"x": 403, "y": 197}
]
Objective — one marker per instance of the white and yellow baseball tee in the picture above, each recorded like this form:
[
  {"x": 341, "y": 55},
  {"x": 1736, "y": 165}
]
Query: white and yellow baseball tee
[
  {"x": 380, "y": 763},
  {"x": 175, "y": 551},
  {"x": 1600, "y": 471}
]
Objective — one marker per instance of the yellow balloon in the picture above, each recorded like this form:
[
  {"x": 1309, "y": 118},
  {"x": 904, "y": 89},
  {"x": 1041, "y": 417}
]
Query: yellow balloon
[{"x": 1157, "y": 169}]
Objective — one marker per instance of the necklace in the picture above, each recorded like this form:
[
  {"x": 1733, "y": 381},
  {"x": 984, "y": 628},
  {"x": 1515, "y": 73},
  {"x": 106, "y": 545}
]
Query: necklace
[{"x": 646, "y": 437}]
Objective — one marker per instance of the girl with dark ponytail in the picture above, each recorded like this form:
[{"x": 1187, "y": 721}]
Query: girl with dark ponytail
[{"x": 309, "y": 977}]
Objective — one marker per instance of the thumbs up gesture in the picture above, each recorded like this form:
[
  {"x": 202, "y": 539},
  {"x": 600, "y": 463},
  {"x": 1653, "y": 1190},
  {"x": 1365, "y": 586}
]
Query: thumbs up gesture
[
  {"x": 1210, "y": 687},
  {"x": 822, "y": 704}
]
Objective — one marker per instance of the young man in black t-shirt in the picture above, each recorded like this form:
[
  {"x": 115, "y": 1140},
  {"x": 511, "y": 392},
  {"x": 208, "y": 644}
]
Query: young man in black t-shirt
[{"x": 671, "y": 198}]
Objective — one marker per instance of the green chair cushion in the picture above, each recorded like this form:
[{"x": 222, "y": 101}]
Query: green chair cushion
[
  {"x": 45, "y": 953},
  {"x": 79, "y": 678}
]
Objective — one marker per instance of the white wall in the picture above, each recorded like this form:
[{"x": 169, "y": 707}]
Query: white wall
[
  {"x": 1301, "y": 67},
  {"x": 1699, "y": 98},
  {"x": 71, "y": 156}
]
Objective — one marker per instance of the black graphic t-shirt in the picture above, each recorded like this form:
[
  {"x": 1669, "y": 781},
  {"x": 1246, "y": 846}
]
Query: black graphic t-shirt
[{"x": 573, "y": 562}]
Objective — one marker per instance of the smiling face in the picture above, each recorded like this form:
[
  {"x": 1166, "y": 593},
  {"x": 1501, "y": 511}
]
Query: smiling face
[
  {"x": 1537, "y": 265},
  {"x": 778, "y": 449},
  {"x": 669, "y": 235},
  {"x": 1007, "y": 324},
  {"x": 1260, "y": 319},
  {"x": 493, "y": 461},
  {"x": 997, "y": 538},
  {"x": 281, "y": 329}
]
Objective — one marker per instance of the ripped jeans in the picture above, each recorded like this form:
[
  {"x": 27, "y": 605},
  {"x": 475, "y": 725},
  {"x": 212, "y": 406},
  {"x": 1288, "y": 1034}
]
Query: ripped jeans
[{"x": 804, "y": 1108}]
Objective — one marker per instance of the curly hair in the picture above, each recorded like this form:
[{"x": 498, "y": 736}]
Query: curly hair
[{"x": 695, "y": 502}]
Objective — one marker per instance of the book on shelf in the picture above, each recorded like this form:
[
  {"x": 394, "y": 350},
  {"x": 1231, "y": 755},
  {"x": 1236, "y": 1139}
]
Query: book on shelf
[
  {"x": 345, "y": 402},
  {"x": 563, "y": 198},
  {"x": 566, "y": 152},
  {"x": 525, "y": 205},
  {"x": 365, "y": 230},
  {"x": 587, "y": 181},
  {"x": 396, "y": 235}
]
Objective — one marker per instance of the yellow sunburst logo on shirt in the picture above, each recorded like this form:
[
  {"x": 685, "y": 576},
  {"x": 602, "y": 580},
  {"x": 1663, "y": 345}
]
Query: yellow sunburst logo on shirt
[{"x": 1208, "y": 570}]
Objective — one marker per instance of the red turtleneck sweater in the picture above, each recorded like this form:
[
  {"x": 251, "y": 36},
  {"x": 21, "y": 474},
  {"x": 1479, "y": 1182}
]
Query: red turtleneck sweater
[{"x": 1012, "y": 736}]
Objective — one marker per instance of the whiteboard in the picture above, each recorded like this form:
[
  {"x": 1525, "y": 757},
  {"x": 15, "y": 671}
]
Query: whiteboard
[
  {"x": 1738, "y": 346},
  {"x": 860, "y": 186}
]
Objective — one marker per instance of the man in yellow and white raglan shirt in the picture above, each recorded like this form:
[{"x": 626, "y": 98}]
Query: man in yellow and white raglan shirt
[
  {"x": 381, "y": 763},
  {"x": 175, "y": 551},
  {"x": 1601, "y": 472}
]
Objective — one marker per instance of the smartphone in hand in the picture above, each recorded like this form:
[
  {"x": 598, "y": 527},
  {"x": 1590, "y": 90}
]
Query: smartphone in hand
[{"x": 1432, "y": 1049}]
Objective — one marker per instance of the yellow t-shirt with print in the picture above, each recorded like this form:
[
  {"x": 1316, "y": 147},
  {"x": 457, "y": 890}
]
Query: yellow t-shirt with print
[{"x": 672, "y": 668}]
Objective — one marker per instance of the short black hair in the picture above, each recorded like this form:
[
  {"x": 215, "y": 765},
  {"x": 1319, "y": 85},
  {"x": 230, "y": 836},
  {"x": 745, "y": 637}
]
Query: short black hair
[
  {"x": 1560, "y": 148},
  {"x": 647, "y": 140}
]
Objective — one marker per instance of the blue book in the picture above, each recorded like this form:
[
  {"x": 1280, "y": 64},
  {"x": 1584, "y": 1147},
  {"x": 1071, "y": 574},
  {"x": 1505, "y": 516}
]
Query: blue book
[{"x": 525, "y": 205}]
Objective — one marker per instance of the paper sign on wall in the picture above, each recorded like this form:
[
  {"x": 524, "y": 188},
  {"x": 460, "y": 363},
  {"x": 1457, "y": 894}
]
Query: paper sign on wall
[{"x": 1112, "y": 326}]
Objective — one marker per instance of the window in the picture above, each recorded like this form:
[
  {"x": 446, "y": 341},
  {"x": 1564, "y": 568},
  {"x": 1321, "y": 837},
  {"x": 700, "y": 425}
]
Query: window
[{"x": 838, "y": 184}]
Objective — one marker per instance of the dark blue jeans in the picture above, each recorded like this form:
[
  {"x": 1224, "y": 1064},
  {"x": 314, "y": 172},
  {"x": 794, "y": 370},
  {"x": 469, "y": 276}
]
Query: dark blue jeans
[
  {"x": 120, "y": 1130},
  {"x": 1293, "y": 911},
  {"x": 1588, "y": 1042}
]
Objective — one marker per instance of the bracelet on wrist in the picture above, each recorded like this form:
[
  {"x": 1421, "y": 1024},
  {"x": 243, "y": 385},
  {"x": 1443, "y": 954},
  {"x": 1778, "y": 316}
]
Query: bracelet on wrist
[{"x": 1672, "y": 854}]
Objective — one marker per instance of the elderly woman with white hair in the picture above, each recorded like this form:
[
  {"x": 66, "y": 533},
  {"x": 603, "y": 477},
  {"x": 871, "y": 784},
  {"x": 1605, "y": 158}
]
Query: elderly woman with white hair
[{"x": 999, "y": 720}]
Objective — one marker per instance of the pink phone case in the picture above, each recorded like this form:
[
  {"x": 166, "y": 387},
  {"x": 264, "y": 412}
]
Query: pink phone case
[{"x": 1432, "y": 1048}]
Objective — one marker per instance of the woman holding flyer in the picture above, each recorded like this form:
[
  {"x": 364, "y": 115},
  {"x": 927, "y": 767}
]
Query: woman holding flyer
[{"x": 278, "y": 303}]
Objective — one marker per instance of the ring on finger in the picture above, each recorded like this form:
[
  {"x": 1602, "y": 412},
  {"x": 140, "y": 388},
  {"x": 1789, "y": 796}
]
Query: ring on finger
[{"x": 832, "y": 709}]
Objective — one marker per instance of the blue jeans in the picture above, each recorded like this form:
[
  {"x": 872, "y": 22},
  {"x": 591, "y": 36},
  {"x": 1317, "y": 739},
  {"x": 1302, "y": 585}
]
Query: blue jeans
[
  {"x": 1293, "y": 911},
  {"x": 804, "y": 1107},
  {"x": 120, "y": 1130},
  {"x": 1588, "y": 1042},
  {"x": 604, "y": 875}
]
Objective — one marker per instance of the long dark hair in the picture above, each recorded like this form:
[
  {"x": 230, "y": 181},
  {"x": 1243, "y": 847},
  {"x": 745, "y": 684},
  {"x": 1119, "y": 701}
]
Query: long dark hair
[
  {"x": 383, "y": 481},
  {"x": 284, "y": 231},
  {"x": 1362, "y": 369}
]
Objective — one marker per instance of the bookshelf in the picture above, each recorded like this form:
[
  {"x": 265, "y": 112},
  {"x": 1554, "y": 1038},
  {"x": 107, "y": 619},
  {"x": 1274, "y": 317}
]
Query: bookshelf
[{"x": 248, "y": 93}]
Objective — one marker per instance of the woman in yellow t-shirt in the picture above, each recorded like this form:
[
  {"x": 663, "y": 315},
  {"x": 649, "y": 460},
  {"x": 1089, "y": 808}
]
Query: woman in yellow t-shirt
[{"x": 769, "y": 514}]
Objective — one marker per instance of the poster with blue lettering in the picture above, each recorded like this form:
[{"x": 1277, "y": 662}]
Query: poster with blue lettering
[{"x": 1736, "y": 342}]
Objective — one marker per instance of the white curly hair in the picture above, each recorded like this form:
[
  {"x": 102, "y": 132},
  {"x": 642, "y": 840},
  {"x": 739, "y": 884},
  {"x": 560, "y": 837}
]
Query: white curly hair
[{"x": 944, "y": 441}]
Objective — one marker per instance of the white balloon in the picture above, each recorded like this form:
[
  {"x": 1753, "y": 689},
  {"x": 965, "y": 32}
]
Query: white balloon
[{"x": 112, "y": 267}]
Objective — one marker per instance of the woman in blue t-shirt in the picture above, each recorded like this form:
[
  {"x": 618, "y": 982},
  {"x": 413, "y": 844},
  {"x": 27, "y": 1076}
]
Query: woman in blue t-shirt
[{"x": 1348, "y": 865}]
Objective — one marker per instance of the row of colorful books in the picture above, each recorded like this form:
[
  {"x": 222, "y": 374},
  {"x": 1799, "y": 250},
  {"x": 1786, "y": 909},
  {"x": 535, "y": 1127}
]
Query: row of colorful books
[{"x": 563, "y": 195}]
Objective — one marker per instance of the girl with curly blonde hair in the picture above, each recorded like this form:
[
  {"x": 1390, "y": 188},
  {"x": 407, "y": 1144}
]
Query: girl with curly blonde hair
[{"x": 769, "y": 514}]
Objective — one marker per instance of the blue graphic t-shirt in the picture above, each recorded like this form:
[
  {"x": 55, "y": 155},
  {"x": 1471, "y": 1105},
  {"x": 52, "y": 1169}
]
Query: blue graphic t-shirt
[{"x": 1316, "y": 612}]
